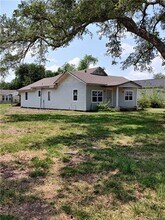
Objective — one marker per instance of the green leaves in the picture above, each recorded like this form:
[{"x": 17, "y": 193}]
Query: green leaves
[{"x": 38, "y": 25}]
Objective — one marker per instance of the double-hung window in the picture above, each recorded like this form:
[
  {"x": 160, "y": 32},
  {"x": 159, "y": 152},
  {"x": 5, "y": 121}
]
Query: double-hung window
[
  {"x": 128, "y": 95},
  {"x": 26, "y": 95},
  {"x": 39, "y": 93},
  {"x": 75, "y": 95},
  {"x": 97, "y": 96},
  {"x": 48, "y": 95}
]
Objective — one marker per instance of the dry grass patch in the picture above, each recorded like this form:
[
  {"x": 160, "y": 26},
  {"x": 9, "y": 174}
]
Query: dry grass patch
[{"x": 73, "y": 165}]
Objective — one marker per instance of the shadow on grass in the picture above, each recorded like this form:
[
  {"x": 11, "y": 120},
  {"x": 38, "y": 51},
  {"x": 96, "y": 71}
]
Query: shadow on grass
[
  {"x": 17, "y": 197},
  {"x": 122, "y": 171}
]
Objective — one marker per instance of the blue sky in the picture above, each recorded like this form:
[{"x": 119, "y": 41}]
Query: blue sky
[{"x": 78, "y": 48}]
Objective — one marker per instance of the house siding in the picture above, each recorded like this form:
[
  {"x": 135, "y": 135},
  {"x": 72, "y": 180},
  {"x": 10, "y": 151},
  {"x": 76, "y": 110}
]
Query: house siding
[
  {"x": 127, "y": 103},
  {"x": 89, "y": 105},
  {"x": 150, "y": 91},
  {"x": 60, "y": 97}
]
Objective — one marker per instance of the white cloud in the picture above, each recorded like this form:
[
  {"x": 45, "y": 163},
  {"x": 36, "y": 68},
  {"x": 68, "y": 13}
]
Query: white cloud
[
  {"x": 52, "y": 67},
  {"x": 93, "y": 65},
  {"x": 75, "y": 61},
  {"x": 10, "y": 76},
  {"x": 133, "y": 75},
  {"x": 157, "y": 68},
  {"x": 157, "y": 65},
  {"x": 127, "y": 49}
]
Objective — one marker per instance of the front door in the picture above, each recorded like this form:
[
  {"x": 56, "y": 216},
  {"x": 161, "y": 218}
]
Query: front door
[{"x": 110, "y": 97}]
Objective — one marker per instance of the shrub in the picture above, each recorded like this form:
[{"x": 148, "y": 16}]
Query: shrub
[
  {"x": 156, "y": 100},
  {"x": 105, "y": 107},
  {"x": 144, "y": 102}
]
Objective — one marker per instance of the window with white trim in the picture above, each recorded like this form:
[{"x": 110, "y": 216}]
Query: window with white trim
[
  {"x": 75, "y": 95},
  {"x": 26, "y": 95},
  {"x": 128, "y": 95},
  {"x": 48, "y": 95},
  {"x": 97, "y": 96},
  {"x": 39, "y": 93}
]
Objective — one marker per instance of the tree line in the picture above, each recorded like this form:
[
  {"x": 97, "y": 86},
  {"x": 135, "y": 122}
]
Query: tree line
[{"x": 26, "y": 74}]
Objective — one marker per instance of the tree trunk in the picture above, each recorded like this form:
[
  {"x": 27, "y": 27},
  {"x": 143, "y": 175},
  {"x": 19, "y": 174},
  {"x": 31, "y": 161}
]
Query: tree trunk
[{"x": 133, "y": 28}]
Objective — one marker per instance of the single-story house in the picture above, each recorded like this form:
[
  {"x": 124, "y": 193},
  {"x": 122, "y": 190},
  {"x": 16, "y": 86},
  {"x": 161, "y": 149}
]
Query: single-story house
[
  {"x": 80, "y": 90},
  {"x": 150, "y": 86},
  {"x": 9, "y": 96}
]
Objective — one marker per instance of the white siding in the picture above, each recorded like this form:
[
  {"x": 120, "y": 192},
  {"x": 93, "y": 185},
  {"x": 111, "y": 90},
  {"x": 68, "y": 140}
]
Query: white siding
[
  {"x": 60, "y": 97},
  {"x": 90, "y": 105},
  {"x": 127, "y": 103}
]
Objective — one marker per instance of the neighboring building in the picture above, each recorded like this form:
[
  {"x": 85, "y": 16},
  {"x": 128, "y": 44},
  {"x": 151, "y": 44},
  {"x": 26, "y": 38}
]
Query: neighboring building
[
  {"x": 80, "y": 90},
  {"x": 150, "y": 86},
  {"x": 9, "y": 96}
]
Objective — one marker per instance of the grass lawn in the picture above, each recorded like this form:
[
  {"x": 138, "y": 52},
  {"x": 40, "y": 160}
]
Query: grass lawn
[{"x": 61, "y": 165}]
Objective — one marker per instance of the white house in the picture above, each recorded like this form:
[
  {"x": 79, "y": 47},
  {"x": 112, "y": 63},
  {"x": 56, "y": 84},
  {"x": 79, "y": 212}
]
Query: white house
[
  {"x": 80, "y": 90},
  {"x": 151, "y": 86},
  {"x": 9, "y": 96}
]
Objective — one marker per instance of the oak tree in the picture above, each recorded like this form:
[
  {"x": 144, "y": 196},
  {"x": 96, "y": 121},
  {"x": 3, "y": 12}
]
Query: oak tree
[{"x": 41, "y": 24}]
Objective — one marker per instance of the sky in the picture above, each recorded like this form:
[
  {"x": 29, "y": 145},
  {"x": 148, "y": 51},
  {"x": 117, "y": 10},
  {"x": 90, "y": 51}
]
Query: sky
[{"x": 79, "y": 48}]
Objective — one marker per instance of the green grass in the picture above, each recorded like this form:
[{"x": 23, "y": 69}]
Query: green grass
[{"x": 105, "y": 165}]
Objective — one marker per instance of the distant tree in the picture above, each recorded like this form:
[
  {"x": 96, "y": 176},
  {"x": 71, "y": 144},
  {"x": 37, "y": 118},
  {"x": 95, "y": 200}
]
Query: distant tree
[
  {"x": 83, "y": 64},
  {"x": 159, "y": 76},
  {"x": 37, "y": 25},
  {"x": 49, "y": 73},
  {"x": 86, "y": 61},
  {"x": 65, "y": 68},
  {"x": 27, "y": 74},
  {"x": 4, "y": 85}
]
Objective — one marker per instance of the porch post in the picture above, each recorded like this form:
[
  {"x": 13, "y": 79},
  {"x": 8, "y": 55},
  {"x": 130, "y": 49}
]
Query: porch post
[{"x": 117, "y": 97}]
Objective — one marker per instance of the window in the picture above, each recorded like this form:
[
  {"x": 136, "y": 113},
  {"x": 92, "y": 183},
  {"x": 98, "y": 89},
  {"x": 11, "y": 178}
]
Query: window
[
  {"x": 6, "y": 98},
  {"x": 26, "y": 95},
  {"x": 39, "y": 93},
  {"x": 75, "y": 95},
  {"x": 128, "y": 95},
  {"x": 3, "y": 97},
  {"x": 49, "y": 96},
  {"x": 97, "y": 96}
]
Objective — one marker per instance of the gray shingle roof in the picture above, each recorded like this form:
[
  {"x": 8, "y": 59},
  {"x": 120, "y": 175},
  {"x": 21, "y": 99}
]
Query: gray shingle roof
[
  {"x": 88, "y": 76},
  {"x": 151, "y": 83},
  {"x": 45, "y": 82},
  {"x": 7, "y": 92},
  {"x": 99, "y": 80}
]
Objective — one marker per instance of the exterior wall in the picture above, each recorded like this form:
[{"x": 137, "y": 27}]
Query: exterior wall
[
  {"x": 127, "y": 103},
  {"x": 149, "y": 92},
  {"x": 89, "y": 105},
  {"x": 60, "y": 97},
  {"x": 15, "y": 99},
  {"x": 6, "y": 99},
  {"x": 33, "y": 100}
]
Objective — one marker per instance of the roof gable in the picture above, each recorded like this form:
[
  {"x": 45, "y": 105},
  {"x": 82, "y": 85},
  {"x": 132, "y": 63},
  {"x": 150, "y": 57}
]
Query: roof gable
[{"x": 95, "y": 76}]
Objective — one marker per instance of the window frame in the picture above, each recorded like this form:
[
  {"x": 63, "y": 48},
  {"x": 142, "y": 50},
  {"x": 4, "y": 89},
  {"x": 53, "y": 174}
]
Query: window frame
[
  {"x": 128, "y": 95},
  {"x": 39, "y": 93},
  {"x": 26, "y": 96},
  {"x": 97, "y": 101},
  {"x": 74, "y": 95},
  {"x": 49, "y": 95}
]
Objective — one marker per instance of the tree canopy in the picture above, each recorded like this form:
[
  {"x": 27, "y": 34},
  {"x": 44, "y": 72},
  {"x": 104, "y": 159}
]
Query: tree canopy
[
  {"x": 26, "y": 74},
  {"x": 159, "y": 76},
  {"x": 83, "y": 64},
  {"x": 41, "y": 24}
]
